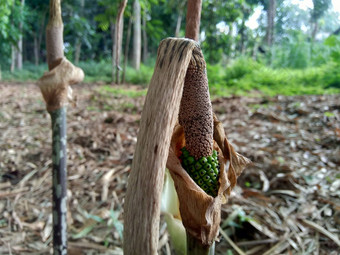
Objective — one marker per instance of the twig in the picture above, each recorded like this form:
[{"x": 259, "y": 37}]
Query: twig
[
  {"x": 255, "y": 249},
  {"x": 14, "y": 192},
  {"x": 278, "y": 245},
  {"x": 232, "y": 244},
  {"x": 322, "y": 231},
  {"x": 257, "y": 242}
]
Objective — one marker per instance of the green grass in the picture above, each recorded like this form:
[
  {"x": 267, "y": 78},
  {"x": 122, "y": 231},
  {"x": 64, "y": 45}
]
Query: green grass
[
  {"x": 243, "y": 76},
  {"x": 119, "y": 91},
  {"x": 247, "y": 77},
  {"x": 28, "y": 73}
]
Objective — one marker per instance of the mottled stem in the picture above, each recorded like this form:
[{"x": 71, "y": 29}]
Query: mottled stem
[
  {"x": 195, "y": 247},
  {"x": 59, "y": 175},
  {"x": 54, "y": 35}
]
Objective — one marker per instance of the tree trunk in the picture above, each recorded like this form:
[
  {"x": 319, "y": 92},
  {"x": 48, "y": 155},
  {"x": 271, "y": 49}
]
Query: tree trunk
[
  {"x": 19, "y": 47},
  {"x": 315, "y": 30},
  {"x": 178, "y": 23},
  {"x": 41, "y": 34},
  {"x": 78, "y": 39},
  {"x": 13, "y": 49},
  {"x": 271, "y": 12},
  {"x": 13, "y": 58},
  {"x": 192, "y": 28},
  {"x": 36, "y": 50},
  {"x": 241, "y": 47},
  {"x": 136, "y": 53},
  {"x": 77, "y": 51},
  {"x": 19, "y": 54},
  {"x": 113, "y": 59},
  {"x": 145, "y": 39},
  {"x": 127, "y": 43},
  {"x": 118, "y": 36}
]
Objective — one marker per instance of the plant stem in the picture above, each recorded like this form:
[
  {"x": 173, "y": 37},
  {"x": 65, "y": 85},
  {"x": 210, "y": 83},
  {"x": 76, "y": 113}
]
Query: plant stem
[
  {"x": 59, "y": 176},
  {"x": 195, "y": 247}
]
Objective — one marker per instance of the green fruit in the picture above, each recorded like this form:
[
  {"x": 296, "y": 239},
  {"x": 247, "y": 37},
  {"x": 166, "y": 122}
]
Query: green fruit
[
  {"x": 203, "y": 160},
  {"x": 204, "y": 171}
]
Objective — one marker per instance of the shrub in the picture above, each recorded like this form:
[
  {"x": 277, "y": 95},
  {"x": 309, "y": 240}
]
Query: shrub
[
  {"x": 240, "y": 68},
  {"x": 141, "y": 77}
]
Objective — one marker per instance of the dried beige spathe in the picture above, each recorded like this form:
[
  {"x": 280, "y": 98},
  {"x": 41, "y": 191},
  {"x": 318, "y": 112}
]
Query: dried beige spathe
[
  {"x": 55, "y": 84},
  {"x": 200, "y": 212}
]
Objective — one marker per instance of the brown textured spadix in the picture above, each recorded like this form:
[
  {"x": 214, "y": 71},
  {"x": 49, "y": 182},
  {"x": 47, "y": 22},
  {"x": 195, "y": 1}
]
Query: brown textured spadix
[{"x": 195, "y": 114}]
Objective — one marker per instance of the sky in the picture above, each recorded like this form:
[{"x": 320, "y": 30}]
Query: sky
[{"x": 303, "y": 4}]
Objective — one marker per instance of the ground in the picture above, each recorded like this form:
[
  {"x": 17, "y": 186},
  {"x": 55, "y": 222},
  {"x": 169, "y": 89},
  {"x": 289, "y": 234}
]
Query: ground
[{"x": 286, "y": 202}]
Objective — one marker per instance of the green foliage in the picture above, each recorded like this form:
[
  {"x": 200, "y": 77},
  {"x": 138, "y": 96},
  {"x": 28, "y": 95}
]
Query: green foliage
[
  {"x": 131, "y": 93},
  {"x": 319, "y": 9},
  {"x": 107, "y": 18},
  {"x": 334, "y": 43},
  {"x": 141, "y": 77},
  {"x": 331, "y": 77},
  {"x": 240, "y": 68},
  {"x": 215, "y": 76},
  {"x": 28, "y": 73},
  {"x": 245, "y": 76},
  {"x": 217, "y": 43},
  {"x": 295, "y": 51},
  {"x": 5, "y": 11},
  {"x": 94, "y": 72},
  {"x": 12, "y": 15},
  {"x": 97, "y": 71}
]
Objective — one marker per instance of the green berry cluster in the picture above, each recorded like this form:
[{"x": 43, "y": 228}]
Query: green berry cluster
[{"x": 204, "y": 171}]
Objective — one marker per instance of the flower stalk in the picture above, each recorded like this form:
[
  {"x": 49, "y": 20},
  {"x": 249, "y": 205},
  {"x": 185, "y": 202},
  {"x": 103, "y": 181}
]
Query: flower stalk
[{"x": 54, "y": 86}]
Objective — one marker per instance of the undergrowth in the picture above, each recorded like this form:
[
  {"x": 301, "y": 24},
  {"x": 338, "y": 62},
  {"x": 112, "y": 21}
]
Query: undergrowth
[{"x": 243, "y": 76}]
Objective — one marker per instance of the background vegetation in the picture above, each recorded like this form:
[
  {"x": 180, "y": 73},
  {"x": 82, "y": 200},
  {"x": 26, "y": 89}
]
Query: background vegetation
[{"x": 272, "y": 46}]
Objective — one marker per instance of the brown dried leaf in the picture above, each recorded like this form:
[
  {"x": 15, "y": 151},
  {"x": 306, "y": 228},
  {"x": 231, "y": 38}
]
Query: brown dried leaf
[{"x": 201, "y": 213}]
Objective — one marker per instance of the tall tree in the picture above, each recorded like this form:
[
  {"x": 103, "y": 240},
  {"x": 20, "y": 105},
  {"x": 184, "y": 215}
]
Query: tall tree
[
  {"x": 20, "y": 41},
  {"x": 271, "y": 11},
  {"x": 319, "y": 9},
  {"x": 145, "y": 37},
  {"x": 137, "y": 42},
  {"x": 111, "y": 19},
  {"x": 118, "y": 37},
  {"x": 218, "y": 43}
]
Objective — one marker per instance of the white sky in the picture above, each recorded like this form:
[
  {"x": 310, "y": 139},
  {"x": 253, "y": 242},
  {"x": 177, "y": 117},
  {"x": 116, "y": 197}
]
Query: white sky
[{"x": 303, "y": 4}]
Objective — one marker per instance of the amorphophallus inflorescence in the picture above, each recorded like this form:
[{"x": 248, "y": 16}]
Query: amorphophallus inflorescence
[{"x": 201, "y": 161}]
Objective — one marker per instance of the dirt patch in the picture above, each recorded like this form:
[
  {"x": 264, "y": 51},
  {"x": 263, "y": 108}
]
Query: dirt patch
[{"x": 287, "y": 201}]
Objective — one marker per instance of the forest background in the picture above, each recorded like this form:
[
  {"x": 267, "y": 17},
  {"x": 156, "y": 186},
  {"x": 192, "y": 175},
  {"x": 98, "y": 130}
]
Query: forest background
[
  {"x": 256, "y": 51},
  {"x": 273, "y": 46}
]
